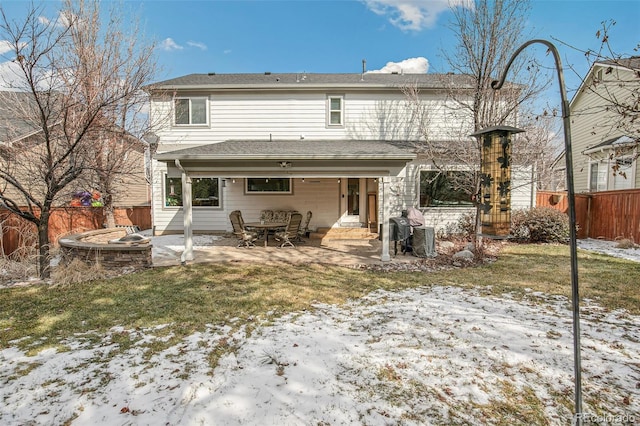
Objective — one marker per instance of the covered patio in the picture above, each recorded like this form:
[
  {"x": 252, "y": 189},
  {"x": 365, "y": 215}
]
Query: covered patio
[{"x": 318, "y": 168}]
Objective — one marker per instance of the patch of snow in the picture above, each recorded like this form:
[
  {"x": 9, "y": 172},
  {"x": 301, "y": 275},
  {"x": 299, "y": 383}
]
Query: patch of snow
[
  {"x": 609, "y": 248},
  {"x": 419, "y": 356}
]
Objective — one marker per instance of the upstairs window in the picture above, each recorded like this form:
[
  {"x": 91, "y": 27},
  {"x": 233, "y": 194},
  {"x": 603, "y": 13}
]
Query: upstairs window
[
  {"x": 335, "y": 113},
  {"x": 190, "y": 111}
]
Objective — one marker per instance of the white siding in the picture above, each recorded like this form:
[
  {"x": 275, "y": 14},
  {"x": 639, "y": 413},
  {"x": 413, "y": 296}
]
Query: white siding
[
  {"x": 382, "y": 115},
  {"x": 320, "y": 196}
]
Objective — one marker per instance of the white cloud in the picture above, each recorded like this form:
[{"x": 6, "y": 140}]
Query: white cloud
[
  {"x": 169, "y": 45},
  {"x": 408, "y": 66},
  {"x": 197, "y": 44},
  {"x": 64, "y": 20},
  {"x": 414, "y": 15},
  {"x": 5, "y": 47},
  {"x": 10, "y": 76},
  {"x": 227, "y": 51}
]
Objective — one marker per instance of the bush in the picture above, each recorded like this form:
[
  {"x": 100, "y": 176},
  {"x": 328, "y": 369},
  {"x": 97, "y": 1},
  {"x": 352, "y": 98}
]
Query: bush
[
  {"x": 464, "y": 227},
  {"x": 540, "y": 225}
]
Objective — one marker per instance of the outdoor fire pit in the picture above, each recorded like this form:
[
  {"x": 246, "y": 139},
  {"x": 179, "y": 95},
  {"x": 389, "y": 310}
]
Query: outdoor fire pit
[{"x": 111, "y": 247}]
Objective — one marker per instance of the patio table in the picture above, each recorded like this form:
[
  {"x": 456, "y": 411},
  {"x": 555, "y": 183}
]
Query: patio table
[{"x": 266, "y": 226}]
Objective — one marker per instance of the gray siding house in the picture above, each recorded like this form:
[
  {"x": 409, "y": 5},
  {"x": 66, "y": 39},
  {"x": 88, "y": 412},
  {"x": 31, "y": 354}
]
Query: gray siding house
[{"x": 605, "y": 150}]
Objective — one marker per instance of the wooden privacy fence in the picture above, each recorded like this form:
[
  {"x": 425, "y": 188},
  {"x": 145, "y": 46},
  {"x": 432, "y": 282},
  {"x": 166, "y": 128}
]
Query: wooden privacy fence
[
  {"x": 64, "y": 221},
  {"x": 610, "y": 214}
]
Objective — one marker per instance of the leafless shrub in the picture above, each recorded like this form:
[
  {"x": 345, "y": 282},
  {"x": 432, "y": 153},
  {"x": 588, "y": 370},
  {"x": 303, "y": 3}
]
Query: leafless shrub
[
  {"x": 77, "y": 271},
  {"x": 20, "y": 262},
  {"x": 625, "y": 243}
]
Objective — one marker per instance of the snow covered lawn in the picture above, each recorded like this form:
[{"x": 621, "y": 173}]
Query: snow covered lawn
[{"x": 432, "y": 355}]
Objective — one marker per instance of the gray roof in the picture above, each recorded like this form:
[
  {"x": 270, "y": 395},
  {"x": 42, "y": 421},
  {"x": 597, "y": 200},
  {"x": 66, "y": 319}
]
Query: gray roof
[
  {"x": 14, "y": 124},
  {"x": 310, "y": 80},
  {"x": 618, "y": 141},
  {"x": 632, "y": 62},
  {"x": 294, "y": 149}
]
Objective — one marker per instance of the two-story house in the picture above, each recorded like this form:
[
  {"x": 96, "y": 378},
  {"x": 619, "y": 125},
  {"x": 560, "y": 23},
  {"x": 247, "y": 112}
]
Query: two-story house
[
  {"x": 340, "y": 145},
  {"x": 605, "y": 136}
]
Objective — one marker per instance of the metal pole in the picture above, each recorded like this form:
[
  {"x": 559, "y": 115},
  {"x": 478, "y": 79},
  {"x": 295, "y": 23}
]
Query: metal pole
[{"x": 572, "y": 215}]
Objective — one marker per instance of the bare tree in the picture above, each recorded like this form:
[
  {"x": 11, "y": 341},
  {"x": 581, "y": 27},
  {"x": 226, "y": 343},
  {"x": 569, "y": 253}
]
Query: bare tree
[
  {"x": 77, "y": 85},
  {"x": 487, "y": 34}
]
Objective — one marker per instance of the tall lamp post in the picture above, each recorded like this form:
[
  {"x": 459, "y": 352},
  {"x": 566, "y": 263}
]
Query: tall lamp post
[{"x": 572, "y": 213}]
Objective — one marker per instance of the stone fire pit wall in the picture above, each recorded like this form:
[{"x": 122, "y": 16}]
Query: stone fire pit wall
[{"x": 100, "y": 247}]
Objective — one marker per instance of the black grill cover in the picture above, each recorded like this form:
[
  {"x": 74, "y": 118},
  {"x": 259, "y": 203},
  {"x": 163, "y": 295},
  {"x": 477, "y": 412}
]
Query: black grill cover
[{"x": 399, "y": 228}]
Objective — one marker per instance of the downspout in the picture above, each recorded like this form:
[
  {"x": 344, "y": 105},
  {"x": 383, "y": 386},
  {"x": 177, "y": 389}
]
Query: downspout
[{"x": 187, "y": 215}]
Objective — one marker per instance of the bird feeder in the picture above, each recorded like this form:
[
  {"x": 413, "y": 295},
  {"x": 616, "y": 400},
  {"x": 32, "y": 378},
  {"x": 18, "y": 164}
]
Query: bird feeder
[{"x": 494, "y": 194}]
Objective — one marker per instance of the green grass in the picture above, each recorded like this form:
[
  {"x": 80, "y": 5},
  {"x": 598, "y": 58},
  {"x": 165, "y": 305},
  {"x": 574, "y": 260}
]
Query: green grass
[{"x": 188, "y": 298}]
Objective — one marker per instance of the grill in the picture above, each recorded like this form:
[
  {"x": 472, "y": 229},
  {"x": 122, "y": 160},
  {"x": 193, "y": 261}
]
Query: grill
[{"x": 399, "y": 230}]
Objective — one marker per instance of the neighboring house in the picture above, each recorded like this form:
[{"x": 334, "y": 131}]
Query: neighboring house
[
  {"x": 557, "y": 180},
  {"x": 340, "y": 145},
  {"x": 604, "y": 142},
  {"x": 19, "y": 135}
]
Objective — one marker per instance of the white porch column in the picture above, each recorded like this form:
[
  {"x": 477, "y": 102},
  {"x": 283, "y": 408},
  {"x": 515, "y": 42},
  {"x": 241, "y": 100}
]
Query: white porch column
[
  {"x": 187, "y": 214},
  {"x": 385, "y": 257}
]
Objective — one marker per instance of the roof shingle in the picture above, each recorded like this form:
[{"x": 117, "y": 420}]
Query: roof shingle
[
  {"x": 310, "y": 80},
  {"x": 294, "y": 149}
]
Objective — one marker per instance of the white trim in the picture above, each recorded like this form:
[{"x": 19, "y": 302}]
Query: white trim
[
  {"x": 610, "y": 179},
  {"x": 630, "y": 177},
  {"x": 166, "y": 175},
  {"x": 247, "y": 192},
  {"x": 190, "y": 99},
  {"x": 599, "y": 163},
  {"x": 445, "y": 171},
  {"x": 330, "y": 111}
]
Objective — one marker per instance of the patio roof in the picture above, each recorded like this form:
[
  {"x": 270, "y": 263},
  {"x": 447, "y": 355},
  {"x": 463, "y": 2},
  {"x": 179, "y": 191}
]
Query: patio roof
[
  {"x": 294, "y": 150},
  {"x": 294, "y": 158}
]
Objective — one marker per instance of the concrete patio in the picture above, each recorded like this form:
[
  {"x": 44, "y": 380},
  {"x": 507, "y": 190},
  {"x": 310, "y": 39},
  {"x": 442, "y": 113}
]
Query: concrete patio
[{"x": 208, "y": 248}]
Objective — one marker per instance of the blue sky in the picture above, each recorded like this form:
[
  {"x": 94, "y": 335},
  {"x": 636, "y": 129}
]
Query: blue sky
[{"x": 334, "y": 36}]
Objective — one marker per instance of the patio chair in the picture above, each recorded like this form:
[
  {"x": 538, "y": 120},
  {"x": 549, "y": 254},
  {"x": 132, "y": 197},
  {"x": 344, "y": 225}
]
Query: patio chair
[
  {"x": 304, "y": 228},
  {"x": 290, "y": 233},
  {"x": 245, "y": 237}
]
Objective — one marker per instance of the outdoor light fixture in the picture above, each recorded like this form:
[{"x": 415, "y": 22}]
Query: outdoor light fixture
[
  {"x": 285, "y": 164},
  {"x": 494, "y": 196},
  {"x": 575, "y": 299}
]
